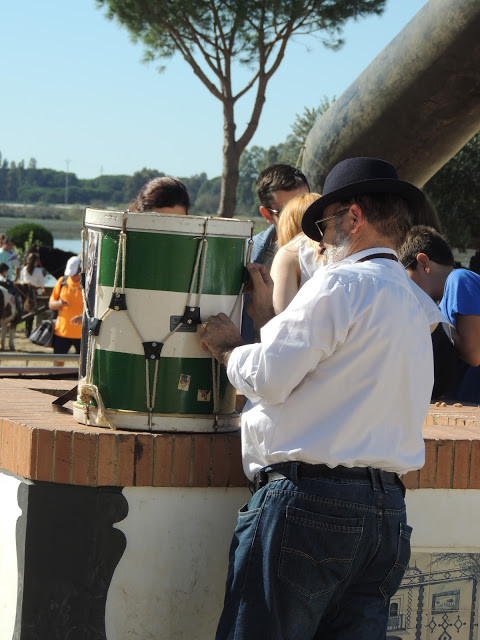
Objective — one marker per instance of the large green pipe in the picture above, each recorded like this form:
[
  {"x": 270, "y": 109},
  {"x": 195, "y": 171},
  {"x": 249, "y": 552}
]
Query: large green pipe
[{"x": 415, "y": 105}]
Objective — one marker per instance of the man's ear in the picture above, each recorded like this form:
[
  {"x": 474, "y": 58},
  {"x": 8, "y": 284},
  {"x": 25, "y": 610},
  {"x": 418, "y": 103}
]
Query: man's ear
[
  {"x": 268, "y": 215},
  {"x": 424, "y": 262},
  {"x": 357, "y": 217}
]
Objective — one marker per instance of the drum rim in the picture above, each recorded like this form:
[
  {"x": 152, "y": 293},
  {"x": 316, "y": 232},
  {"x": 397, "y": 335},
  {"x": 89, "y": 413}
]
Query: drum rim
[
  {"x": 166, "y": 223},
  {"x": 126, "y": 412},
  {"x": 167, "y": 422}
]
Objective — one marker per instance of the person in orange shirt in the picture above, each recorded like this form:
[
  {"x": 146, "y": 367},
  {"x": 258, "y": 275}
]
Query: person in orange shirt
[{"x": 66, "y": 298}]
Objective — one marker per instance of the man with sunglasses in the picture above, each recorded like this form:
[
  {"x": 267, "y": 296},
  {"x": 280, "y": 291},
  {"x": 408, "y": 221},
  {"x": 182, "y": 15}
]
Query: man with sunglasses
[
  {"x": 337, "y": 392},
  {"x": 275, "y": 186}
]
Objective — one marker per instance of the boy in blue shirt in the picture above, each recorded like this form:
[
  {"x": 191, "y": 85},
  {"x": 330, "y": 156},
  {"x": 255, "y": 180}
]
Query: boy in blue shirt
[{"x": 430, "y": 263}]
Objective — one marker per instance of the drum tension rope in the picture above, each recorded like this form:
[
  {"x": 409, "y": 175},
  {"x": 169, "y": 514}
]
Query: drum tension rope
[{"x": 152, "y": 350}]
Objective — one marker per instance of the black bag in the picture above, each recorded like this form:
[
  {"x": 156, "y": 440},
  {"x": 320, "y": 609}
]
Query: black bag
[{"x": 43, "y": 334}]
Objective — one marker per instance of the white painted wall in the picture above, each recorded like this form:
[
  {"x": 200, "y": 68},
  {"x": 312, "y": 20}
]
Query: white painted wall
[
  {"x": 170, "y": 582},
  {"x": 444, "y": 519},
  {"x": 8, "y": 553}
]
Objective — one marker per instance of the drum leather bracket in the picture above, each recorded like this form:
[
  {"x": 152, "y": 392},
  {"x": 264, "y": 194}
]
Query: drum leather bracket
[
  {"x": 118, "y": 302},
  {"x": 152, "y": 350},
  {"x": 191, "y": 316},
  {"x": 93, "y": 325}
]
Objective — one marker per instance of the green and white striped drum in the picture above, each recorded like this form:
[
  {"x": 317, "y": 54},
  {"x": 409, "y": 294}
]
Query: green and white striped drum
[{"x": 149, "y": 279}]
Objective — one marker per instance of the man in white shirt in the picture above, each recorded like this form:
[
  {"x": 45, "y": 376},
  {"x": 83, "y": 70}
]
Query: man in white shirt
[{"x": 337, "y": 392}]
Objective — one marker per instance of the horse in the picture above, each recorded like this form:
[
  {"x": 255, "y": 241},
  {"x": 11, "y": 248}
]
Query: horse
[
  {"x": 54, "y": 260},
  {"x": 10, "y": 315}
]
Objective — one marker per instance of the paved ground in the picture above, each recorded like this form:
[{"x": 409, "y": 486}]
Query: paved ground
[{"x": 23, "y": 345}]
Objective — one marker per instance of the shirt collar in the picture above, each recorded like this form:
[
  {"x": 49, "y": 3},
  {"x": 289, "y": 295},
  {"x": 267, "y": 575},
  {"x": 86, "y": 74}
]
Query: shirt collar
[{"x": 361, "y": 254}]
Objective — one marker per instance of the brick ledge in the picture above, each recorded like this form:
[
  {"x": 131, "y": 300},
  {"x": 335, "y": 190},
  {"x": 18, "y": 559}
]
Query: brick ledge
[{"x": 38, "y": 444}]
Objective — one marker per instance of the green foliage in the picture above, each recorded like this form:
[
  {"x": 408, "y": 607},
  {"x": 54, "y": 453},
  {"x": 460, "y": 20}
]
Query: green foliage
[
  {"x": 22, "y": 251},
  {"x": 194, "y": 184},
  {"x": 208, "y": 196},
  {"x": 255, "y": 159},
  {"x": 213, "y": 35},
  {"x": 30, "y": 233},
  {"x": 455, "y": 191},
  {"x": 134, "y": 183},
  {"x": 303, "y": 123},
  {"x": 238, "y": 28}
]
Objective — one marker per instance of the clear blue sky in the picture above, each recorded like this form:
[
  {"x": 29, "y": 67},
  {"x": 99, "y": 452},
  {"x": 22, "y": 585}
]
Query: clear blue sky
[{"x": 74, "y": 88}]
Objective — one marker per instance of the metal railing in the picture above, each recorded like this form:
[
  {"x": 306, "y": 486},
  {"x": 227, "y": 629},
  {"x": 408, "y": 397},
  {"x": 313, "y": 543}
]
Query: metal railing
[
  {"x": 51, "y": 358},
  {"x": 397, "y": 623}
]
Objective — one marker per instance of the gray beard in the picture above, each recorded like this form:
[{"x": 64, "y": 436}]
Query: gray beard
[{"x": 340, "y": 248}]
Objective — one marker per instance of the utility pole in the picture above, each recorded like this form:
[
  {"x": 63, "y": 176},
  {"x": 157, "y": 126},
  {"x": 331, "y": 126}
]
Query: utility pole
[{"x": 67, "y": 162}]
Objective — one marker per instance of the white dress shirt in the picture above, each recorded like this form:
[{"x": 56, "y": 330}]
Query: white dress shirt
[{"x": 344, "y": 375}]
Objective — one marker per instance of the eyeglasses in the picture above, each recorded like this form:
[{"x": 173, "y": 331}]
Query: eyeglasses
[
  {"x": 275, "y": 211},
  {"x": 319, "y": 223},
  {"x": 407, "y": 266}
]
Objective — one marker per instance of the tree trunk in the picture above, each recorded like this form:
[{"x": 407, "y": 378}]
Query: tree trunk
[
  {"x": 231, "y": 160},
  {"x": 228, "y": 191}
]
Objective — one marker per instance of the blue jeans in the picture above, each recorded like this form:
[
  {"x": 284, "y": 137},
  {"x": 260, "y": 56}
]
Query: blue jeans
[{"x": 316, "y": 559}]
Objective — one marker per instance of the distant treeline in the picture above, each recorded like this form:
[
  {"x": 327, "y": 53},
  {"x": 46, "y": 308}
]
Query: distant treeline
[
  {"x": 30, "y": 185},
  {"x": 454, "y": 189}
]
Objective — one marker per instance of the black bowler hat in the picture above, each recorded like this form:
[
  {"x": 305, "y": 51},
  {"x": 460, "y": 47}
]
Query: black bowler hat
[{"x": 353, "y": 176}]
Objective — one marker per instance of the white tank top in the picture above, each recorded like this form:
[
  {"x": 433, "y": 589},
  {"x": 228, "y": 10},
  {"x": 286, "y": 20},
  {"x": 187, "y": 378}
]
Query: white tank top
[{"x": 307, "y": 259}]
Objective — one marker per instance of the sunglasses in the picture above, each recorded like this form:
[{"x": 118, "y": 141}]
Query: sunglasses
[
  {"x": 319, "y": 223},
  {"x": 275, "y": 211}
]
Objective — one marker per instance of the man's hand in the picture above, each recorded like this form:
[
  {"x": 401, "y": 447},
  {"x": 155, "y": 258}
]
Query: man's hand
[
  {"x": 55, "y": 305},
  {"x": 220, "y": 336},
  {"x": 260, "y": 287}
]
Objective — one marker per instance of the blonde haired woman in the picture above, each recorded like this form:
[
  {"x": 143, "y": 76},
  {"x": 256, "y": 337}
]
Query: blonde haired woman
[{"x": 297, "y": 257}]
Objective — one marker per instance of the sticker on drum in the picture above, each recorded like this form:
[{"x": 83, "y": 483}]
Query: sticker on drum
[{"x": 184, "y": 382}]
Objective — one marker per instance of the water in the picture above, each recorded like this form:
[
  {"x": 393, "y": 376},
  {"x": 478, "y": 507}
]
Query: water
[{"x": 69, "y": 244}]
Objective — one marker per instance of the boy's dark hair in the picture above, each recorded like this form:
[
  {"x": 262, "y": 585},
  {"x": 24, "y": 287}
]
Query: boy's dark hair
[
  {"x": 422, "y": 239},
  {"x": 161, "y": 192},
  {"x": 3, "y": 267},
  {"x": 278, "y": 177}
]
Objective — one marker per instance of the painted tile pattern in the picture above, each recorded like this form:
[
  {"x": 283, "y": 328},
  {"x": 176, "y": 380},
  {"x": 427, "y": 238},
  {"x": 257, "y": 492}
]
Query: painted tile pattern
[{"x": 438, "y": 598}]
